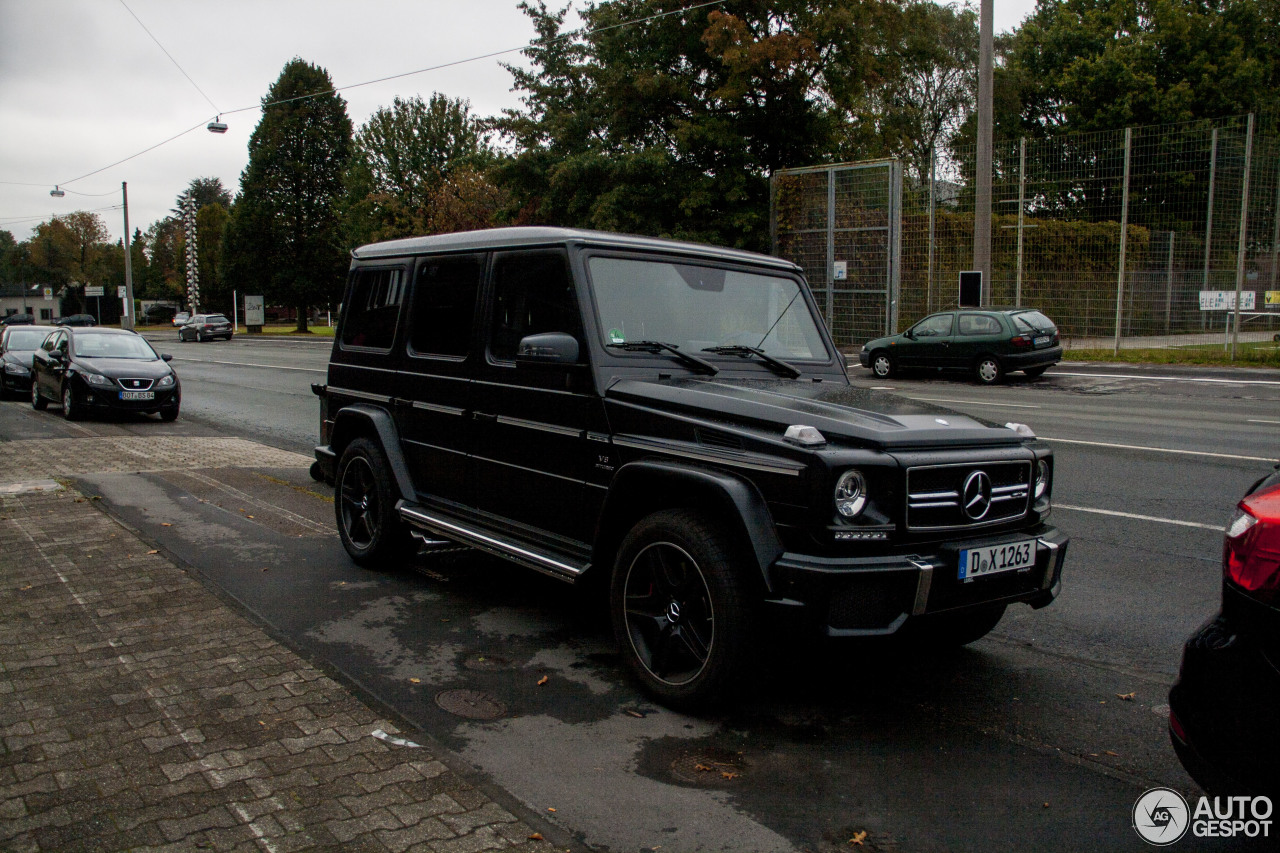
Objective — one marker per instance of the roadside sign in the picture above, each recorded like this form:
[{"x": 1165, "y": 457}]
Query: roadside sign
[
  {"x": 254, "y": 311},
  {"x": 121, "y": 292},
  {"x": 1225, "y": 300},
  {"x": 1273, "y": 297},
  {"x": 93, "y": 290},
  {"x": 48, "y": 294},
  {"x": 841, "y": 271}
]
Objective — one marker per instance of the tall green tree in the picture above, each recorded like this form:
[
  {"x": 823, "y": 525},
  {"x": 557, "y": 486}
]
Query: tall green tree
[
  {"x": 283, "y": 238},
  {"x": 403, "y": 156}
]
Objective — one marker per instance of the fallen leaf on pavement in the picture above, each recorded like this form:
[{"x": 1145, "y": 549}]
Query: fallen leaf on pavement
[
  {"x": 858, "y": 838},
  {"x": 165, "y": 523},
  {"x": 1109, "y": 752},
  {"x": 149, "y": 552},
  {"x": 543, "y": 680},
  {"x": 1128, "y": 697},
  {"x": 411, "y": 680},
  {"x": 537, "y": 836}
]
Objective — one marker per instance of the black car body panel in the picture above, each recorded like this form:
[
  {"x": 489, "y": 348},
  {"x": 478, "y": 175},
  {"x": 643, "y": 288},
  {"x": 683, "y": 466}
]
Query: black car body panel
[
  {"x": 518, "y": 406},
  {"x": 1226, "y": 700},
  {"x": 17, "y": 349}
]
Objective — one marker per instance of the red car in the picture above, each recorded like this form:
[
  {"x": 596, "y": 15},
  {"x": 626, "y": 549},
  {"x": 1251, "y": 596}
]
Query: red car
[{"x": 1224, "y": 706}]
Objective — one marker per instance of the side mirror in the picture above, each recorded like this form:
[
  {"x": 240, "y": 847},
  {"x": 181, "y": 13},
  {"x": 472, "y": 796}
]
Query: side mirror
[
  {"x": 164, "y": 356},
  {"x": 548, "y": 348},
  {"x": 910, "y": 333},
  {"x": 56, "y": 355}
]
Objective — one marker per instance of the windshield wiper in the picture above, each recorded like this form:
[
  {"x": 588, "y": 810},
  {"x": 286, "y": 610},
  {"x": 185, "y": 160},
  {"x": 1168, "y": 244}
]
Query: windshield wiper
[
  {"x": 661, "y": 346},
  {"x": 739, "y": 349}
]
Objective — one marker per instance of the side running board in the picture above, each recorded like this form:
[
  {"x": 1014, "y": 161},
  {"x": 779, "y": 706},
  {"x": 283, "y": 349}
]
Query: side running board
[{"x": 555, "y": 565}]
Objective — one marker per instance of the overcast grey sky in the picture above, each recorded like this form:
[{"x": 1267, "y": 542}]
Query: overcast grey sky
[{"x": 82, "y": 85}]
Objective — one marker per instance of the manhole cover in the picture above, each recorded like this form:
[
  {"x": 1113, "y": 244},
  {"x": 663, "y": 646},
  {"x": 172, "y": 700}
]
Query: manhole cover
[
  {"x": 471, "y": 704},
  {"x": 708, "y": 768},
  {"x": 486, "y": 663}
]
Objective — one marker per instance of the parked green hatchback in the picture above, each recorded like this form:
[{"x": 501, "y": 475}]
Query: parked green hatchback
[{"x": 987, "y": 343}]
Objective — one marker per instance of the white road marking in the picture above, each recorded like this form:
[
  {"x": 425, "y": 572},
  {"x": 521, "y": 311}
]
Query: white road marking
[
  {"x": 1217, "y": 527},
  {"x": 250, "y": 364},
  {"x": 972, "y": 402},
  {"x": 1261, "y": 421},
  {"x": 1170, "y": 378},
  {"x": 1271, "y": 459}
]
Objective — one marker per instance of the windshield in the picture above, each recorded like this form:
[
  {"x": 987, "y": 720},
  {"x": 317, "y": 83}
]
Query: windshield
[
  {"x": 113, "y": 346},
  {"x": 26, "y": 339},
  {"x": 697, "y": 307}
]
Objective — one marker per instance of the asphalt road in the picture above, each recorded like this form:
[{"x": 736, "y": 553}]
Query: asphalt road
[{"x": 1021, "y": 741}]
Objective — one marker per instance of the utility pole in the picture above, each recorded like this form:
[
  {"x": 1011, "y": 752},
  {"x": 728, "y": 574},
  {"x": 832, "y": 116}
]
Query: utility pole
[
  {"x": 982, "y": 179},
  {"x": 126, "y": 318}
]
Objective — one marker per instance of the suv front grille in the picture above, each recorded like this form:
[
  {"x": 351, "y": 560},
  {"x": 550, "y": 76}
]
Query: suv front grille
[
  {"x": 136, "y": 384},
  {"x": 967, "y": 495}
]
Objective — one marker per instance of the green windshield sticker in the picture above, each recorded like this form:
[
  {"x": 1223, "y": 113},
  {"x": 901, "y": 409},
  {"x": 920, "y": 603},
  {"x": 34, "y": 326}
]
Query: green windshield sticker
[{"x": 616, "y": 336}]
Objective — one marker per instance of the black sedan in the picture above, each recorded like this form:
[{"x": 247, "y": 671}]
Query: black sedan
[
  {"x": 78, "y": 320},
  {"x": 17, "y": 346},
  {"x": 105, "y": 370},
  {"x": 1226, "y": 701},
  {"x": 987, "y": 343},
  {"x": 205, "y": 327}
]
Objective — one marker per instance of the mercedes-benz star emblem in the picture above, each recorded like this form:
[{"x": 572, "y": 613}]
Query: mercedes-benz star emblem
[
  {"x": 977, "y": 495},
  {"x": 673, "y": 612}
]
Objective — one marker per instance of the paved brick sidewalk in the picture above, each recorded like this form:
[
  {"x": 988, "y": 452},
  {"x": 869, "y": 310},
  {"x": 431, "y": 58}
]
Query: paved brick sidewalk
[{"x": 139, "y": 712}]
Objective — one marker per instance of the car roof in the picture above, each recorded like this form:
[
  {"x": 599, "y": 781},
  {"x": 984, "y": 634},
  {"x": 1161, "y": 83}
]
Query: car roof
[
  {"x": 528, "y": 237},
  {"x": 96, "y": 330}
]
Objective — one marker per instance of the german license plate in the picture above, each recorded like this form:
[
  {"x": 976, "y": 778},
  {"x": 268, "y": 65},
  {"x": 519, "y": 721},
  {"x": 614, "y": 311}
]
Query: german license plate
[
  {"x": 137, "y": 395},
  {"x": 1042, "y": 340},
  {"x": 993, "y": 559}
]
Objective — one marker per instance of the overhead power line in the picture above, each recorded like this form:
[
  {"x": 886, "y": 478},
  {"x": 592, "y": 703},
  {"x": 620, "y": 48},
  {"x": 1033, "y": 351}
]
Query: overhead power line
[
  {"x": 336, "y": 89},
  {"x": 168, "y": 54}
]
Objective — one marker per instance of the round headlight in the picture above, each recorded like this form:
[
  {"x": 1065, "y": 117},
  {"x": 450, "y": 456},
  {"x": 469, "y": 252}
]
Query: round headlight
[
  {"x": 851, "y": 493},
  {"x": 1042, "y": 478}
]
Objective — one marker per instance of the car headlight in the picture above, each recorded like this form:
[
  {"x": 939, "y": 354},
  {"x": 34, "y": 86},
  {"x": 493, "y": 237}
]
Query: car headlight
[
  {"x": 15, "y": 368},
  {"x": 165, "y": 382},
  {"x": 1042, "y": 478},
  {"x": 99, "y": 380},
  {"x": 851, "y": 493}
]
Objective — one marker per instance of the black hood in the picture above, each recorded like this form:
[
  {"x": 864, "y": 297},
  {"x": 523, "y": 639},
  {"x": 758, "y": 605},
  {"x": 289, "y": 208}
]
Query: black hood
[
  {"x": 135, "y": 368},
  {"x": 837, "y": 411}
]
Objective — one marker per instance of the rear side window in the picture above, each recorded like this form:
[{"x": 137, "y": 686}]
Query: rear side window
[
  {"x": 979, "y": 324},
  {"x": 444, "y": 305},
  {"x": 532, "y": 293},
  {"x": 373, "y": 309}
]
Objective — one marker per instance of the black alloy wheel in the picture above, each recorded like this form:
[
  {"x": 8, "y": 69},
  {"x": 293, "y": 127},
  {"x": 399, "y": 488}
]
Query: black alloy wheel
[
  {"x": 988, "y": 370},
  {"x": 882, "y": 365},
  {"x": 70, "y": 408},
  {"x": 364, "y": 503},
  {"x": 38, "y": 402},
  {"x": 680, "y": 610}
]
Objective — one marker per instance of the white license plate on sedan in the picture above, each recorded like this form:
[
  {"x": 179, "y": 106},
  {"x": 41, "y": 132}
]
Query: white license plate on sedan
[
  {"x": 1042, "y": 340},
  {"x": 137, "y": 395},
  {"x": 993, "y": 559}
]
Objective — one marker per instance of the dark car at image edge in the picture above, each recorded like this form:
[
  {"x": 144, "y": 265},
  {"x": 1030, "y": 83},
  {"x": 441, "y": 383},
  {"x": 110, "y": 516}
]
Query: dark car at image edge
[
  {"x": 17, "y": 348},
  {"x": 987, "y": 343},
  {"x": 1224, "y": 709},
  {"x": 674, "y": 421},
  {"x": 103, "y": 370}
]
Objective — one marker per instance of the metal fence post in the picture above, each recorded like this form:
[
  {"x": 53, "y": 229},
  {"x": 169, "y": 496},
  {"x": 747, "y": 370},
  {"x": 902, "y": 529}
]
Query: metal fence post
[
  {"x": 1241, "y": 244},
  {"x": 933, "y": 173},
  {"x": 1208, "y": 220},
  {"x": 1168, "y": 296},
  {"x": 1022, "y": 199},
  {"x": 894, "y": 285},
  {"x": 1275, "y": 230},
  {"x": 1124, "y": 235}
]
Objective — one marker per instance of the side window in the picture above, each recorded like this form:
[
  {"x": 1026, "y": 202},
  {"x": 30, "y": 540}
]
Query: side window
[
  {"x": 979, "y": 324},
  {"x": 933, "y": 327},
  {"x": 444, "y": 305},
  {"x": 63, "y": 343},
  {"x": 532, "y": 293},
  {"x": 373, "y": 309}
]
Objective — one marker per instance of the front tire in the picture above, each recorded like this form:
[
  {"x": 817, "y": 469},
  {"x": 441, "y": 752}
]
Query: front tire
[
  {"x": 169, "y": 414},
  {"x": 882, "y": 365},
  {"x": 988, "y": 370},
  {"x": 364, "y": 501},
  {"x": 38, "y": 402},
  {"x": 71, "y": 410},
  {"x": 680, "y": 609}
]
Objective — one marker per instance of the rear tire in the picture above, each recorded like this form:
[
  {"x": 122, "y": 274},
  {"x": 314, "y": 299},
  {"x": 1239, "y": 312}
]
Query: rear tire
[
  {"x": 987, "y": 370},
  {"x": 38, "y": 402},
  {"x": 364, "y": 500},
  {"x": 680, "y": 609}
]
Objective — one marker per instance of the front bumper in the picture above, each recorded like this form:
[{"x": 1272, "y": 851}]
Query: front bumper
[
  {"x": 108, "y": 399},
  {"x": 1223, "y": 709},
  {"x": 877, "y": 595}
]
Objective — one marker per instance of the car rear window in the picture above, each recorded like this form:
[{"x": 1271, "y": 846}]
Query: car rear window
[
  {"x": 1033, "y": 321},
  {"x": 216, "y": 318}
]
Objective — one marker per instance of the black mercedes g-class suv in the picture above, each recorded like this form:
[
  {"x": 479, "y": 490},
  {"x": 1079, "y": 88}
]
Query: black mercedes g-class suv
[{"x": 674, "y": 417}]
